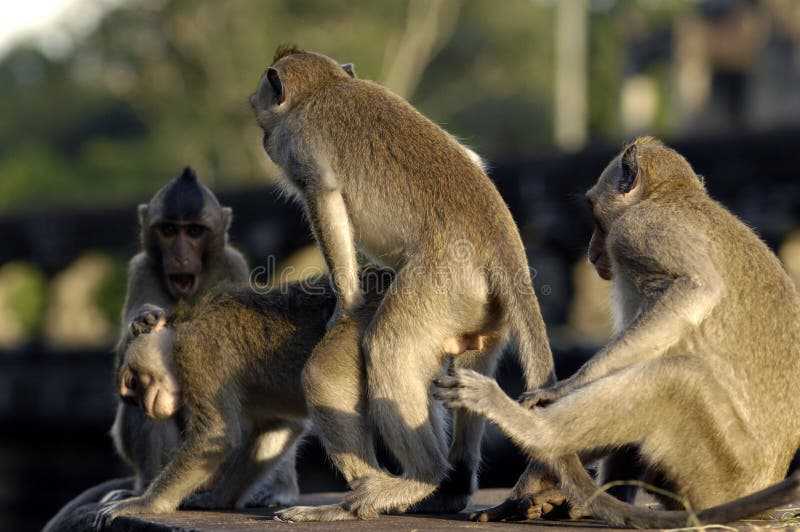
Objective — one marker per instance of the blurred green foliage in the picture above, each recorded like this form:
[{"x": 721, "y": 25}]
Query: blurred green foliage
[
  {"x": 23, "y": 293},
  {"x": 159, "y": 84},
  {"x": 110, "y": 295}
]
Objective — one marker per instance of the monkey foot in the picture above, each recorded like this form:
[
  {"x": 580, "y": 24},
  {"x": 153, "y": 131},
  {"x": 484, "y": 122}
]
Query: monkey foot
[
  {"x": 328, "y": 512},
  {"x": 549, "y": 503}
]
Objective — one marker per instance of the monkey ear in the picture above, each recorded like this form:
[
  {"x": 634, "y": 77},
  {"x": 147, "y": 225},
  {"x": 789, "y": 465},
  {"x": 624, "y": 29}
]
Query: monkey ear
[
  {"x": 629, "y": 172},
  {"x": 142, "y": 211},
  {"x": 227, "y": 218},
  {"x": 275, "y": 82},
  {"x": 350, "y": 69}
]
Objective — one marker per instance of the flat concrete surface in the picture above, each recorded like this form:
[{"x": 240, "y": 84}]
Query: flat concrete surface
[{"x": 261, "y": 519}]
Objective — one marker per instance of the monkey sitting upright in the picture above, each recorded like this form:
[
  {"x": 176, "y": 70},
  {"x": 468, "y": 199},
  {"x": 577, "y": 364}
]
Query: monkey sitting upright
[
  {"x": 701, "y": 372},
  {"x": 184, "y": 253}
]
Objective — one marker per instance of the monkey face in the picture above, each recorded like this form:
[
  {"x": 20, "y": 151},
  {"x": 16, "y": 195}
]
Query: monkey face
[
  {"x": 618, "y": 187},
  {"x": 183, "y": 246},
  {"x": 598, "y": 255},
  {"x": 146, "y": 377}
]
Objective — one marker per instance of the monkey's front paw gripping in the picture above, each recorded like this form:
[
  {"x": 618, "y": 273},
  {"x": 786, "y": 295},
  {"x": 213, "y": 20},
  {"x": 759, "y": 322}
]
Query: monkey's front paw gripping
[
  {"x": 541, "y": 397},
  {"x": 526, "y": 507},
  {"x": 110, "y": 511},
  {"x": 464, "y": 388},
  {"x": 147, "y": 320},
  {"x": 328, "y": 512}
]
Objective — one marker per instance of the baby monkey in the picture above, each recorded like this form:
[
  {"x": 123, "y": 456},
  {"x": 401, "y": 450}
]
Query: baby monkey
[
  {"x": 234, "y": 362},
  {"x": 701, "y": 371}
]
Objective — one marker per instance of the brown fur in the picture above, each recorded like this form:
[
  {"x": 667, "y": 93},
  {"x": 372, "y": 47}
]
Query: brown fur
[
  {"x": 147, "y": 445},
  {"x": 238, "y": 359},
  {"x": 702, "y": 370},
  {"x": 374, "y": 175}
]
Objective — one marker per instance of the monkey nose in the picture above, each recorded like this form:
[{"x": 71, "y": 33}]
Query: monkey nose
[{"x": 128, "y": 384}]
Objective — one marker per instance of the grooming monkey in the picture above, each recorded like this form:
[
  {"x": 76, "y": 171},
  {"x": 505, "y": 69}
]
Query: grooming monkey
[
  {"x": 184, "y": 252},
  {"x": 700, "y": 372}
]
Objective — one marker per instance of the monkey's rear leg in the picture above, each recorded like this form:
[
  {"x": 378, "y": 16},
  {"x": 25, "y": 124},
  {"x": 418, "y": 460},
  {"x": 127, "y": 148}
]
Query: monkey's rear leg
[
  {"x": 454, "y": 492},
  {"x": 247, "y": 478},
  {"x": 684, "y": 419},
  {"x": 403, "y": 353},
  {"x": 333, "y": 383}
]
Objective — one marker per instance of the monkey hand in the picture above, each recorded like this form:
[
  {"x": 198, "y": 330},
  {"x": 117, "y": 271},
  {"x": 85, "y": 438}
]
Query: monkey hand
[
  {"x": 135, "y": 505},
  {"x": 147, "y": 320},
  {"x": 463, "y": 388},
  {"x": 542, "y": 397}
]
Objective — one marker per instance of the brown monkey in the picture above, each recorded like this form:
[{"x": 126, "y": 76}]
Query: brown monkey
[
  {"x": 375, "y": 175},
  {"x": 184, "y": 253},
  {"x": 235, "y": 367},
  {"x": 701, "y": 370}
]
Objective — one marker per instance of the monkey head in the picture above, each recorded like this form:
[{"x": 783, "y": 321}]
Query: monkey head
[
  {"x": 293, "y": 76},
  {"x": 644, "y": 169},
  {"x": 146, "y": 377},
  {"x": 184, "y": 229}
]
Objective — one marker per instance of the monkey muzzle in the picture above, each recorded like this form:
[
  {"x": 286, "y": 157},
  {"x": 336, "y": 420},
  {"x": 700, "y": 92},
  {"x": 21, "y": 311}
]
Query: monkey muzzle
[
  {"x": 183, "y": 284},
  {"x": 158, "y": 400}
]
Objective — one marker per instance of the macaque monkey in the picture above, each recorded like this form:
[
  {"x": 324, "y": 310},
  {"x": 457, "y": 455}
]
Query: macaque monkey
[
  {"x": 184, "y": 252},
  {"x": 377, "y": 177},
  {"x": 702, "y": 369},
  {"x": 231, "y": 364},
  {"x": 234, "y": 364}
]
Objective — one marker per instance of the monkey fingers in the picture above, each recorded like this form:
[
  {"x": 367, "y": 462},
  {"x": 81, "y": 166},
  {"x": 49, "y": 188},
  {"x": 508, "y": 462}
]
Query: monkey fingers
[
  {"x": 542, "y": 397},
  {"x": 147, "y": 320},
  {"x": 464, "y": 388},
  {"x": 110, "y": 511},
  {"x": 527, "y": 507},
  {"x": 328, "y": 512}
]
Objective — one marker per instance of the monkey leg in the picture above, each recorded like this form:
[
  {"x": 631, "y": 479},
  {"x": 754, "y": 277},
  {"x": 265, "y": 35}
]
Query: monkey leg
[
  {"x": 333, "y": 384},
  {"x": 275, "y": 454},
  {"x": 683, "y": 419},
  {"x": 403, "y": 353},
  {"x": 145, "y": 444},
  {"x": 196, "y": 462},
  {"x": 248, "y": 477},
  {"x": 455, "y": 490}
]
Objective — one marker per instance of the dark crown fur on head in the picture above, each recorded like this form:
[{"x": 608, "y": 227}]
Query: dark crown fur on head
[{"x": 286, "y": 49}]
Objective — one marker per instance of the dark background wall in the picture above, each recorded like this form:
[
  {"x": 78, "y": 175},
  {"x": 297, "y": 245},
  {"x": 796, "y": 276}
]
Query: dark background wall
[{"x": 56, "y": 406}]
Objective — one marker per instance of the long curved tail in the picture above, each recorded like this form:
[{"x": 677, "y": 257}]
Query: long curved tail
[{"x": 581, "y": 488}]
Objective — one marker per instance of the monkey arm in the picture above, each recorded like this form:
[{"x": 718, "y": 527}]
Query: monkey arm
[
  {"x": 330, "y": 221},
  {"x": 672, "y": 306}
]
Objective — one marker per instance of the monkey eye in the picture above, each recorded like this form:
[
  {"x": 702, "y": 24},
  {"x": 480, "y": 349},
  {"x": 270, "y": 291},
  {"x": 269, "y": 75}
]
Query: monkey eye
[
  {"x": 168, "y": 230},
  {"x": 195, "y": 231}
]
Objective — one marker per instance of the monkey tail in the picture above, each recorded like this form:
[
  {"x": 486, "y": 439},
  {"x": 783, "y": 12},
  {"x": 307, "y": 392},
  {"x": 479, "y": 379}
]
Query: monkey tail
[
  {"x": 521, "y": 309},
  {"x": 581, "y": 488}
]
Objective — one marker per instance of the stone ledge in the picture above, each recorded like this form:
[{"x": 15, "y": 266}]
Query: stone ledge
[{"x": 261, "y": 519}]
